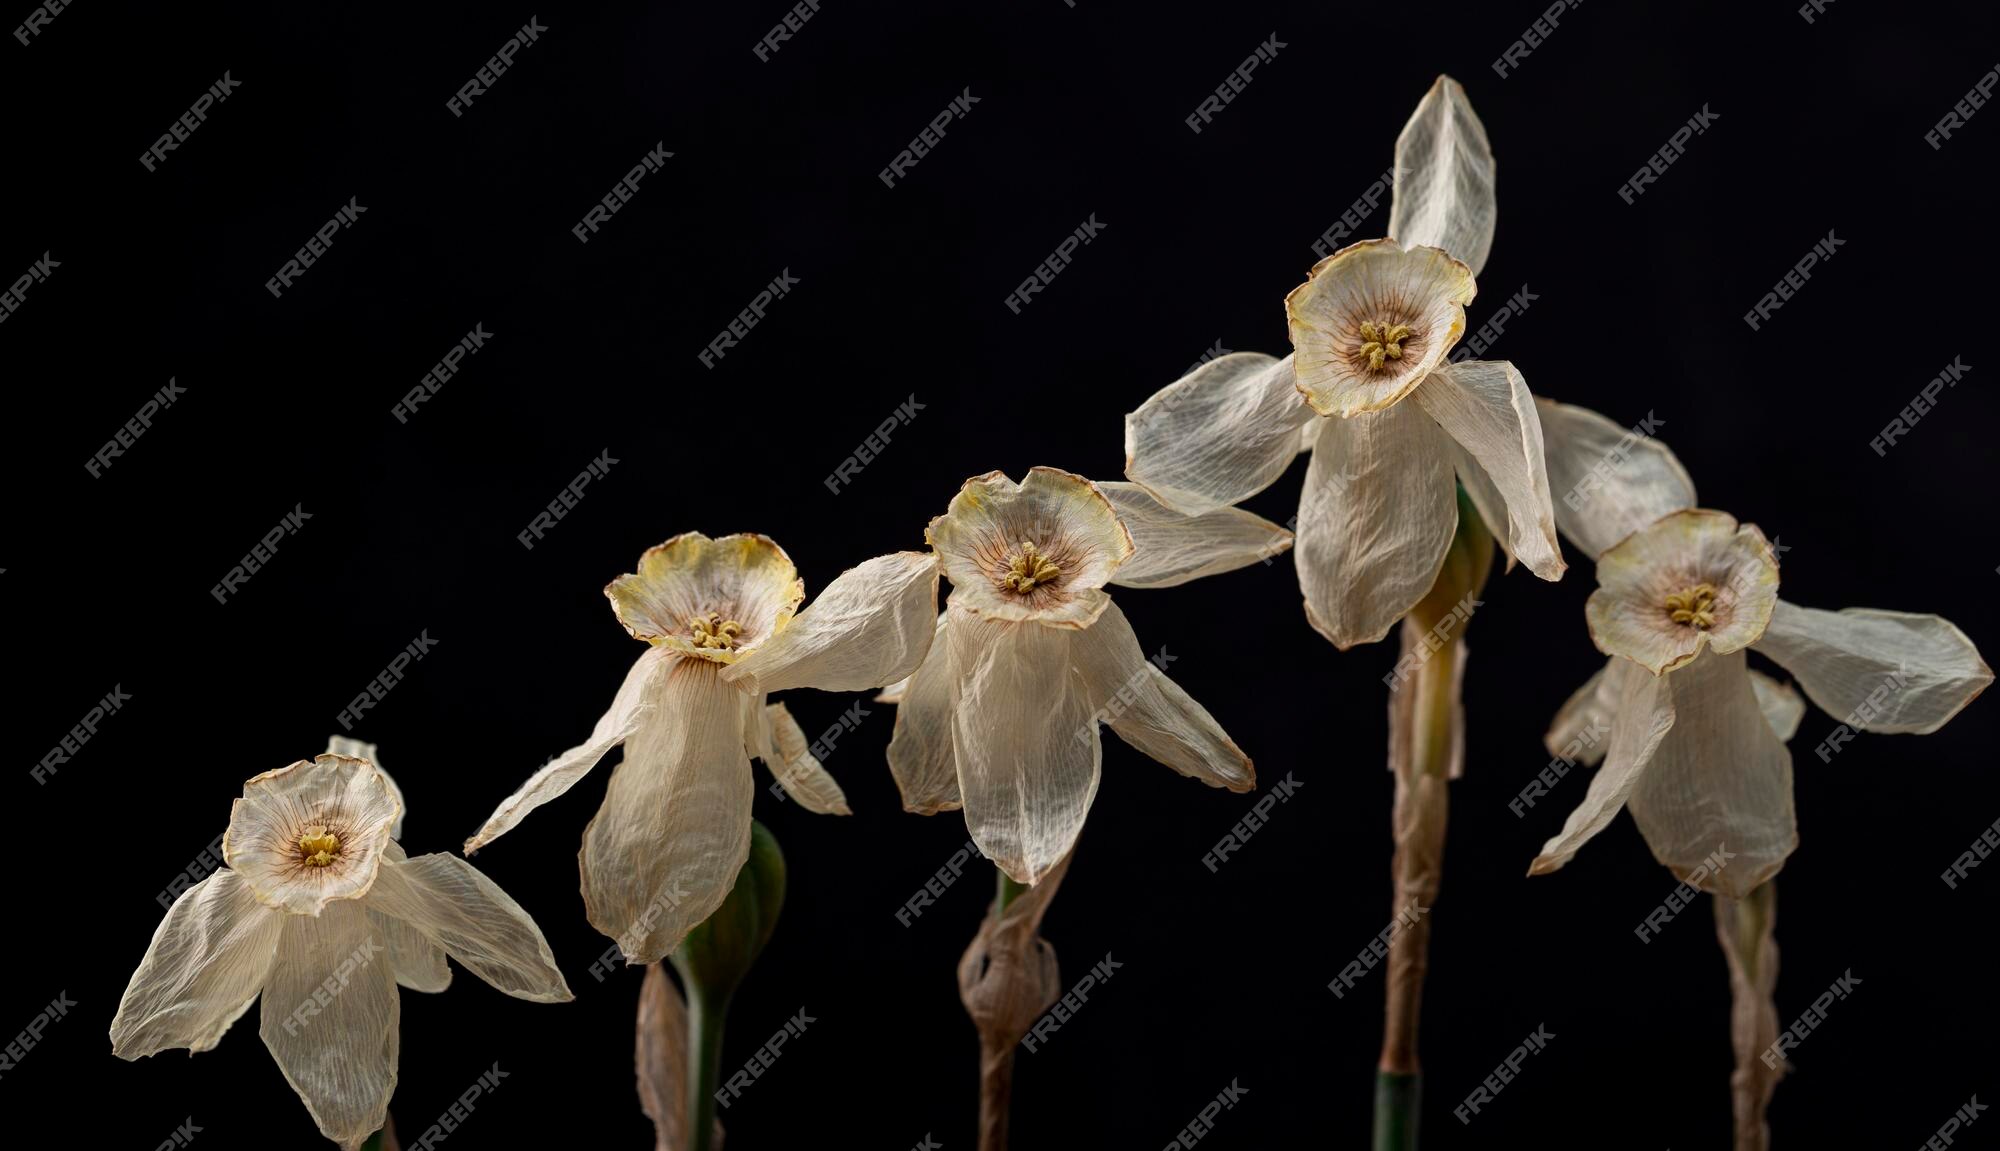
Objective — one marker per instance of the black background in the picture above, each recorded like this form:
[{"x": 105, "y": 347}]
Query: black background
[{"x": 1820, "y": 126}]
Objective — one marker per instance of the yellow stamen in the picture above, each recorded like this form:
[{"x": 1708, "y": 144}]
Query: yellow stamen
[
  {"x": 712, "y": 631},
  {"x": 319, "y": 846},
  {"x": 1382, "y": 342},
  {"x": 1028, "y": 569},
  {"x": 1693, "y": 606}
]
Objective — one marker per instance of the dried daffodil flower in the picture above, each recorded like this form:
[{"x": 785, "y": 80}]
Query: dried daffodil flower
[
  {"x": 1373, "y": 328},
  {"x": 664, "y": 849},
  {"x": 320, "y": 911},
  {"x": 1696, "y": 749}
]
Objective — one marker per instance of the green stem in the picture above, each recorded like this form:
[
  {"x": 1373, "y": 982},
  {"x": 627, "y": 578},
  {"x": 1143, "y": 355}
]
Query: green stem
[
  {"x": 1398, "y": 1102},
  {"x": 707, "y": 1014},
  {"x": 1007, "y": 890},
  {"x": 374, "y": 1142}
]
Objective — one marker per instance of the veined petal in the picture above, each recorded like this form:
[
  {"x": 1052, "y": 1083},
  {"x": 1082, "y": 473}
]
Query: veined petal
[
  {"x": 1639, "y": 609},
  {"x": 1038, "y": 550},
  {"x": 797, "y": 769},
  {"x": 637, "y": 699},
  {"x": 312, "y": 833},
  {"x": 1150, "y": 711},
  {"x": 920, "y": 754},
  {"x": 330, "y": 1019},
  {"x": 1886, "y": 671},
  {"x": 208, "y": 959},
  {"x": 871, "y": 626},
  {"x": 1375, "y": 520},
  {"x": 1372, "y": 322},
  {"x": 1218, "y": 435},
  {"x": 1781, "y": 705},
  {"x": 1718, "y": 796},
  {"x": 1645, "y": 715},
  {"x": 1170, "y": 548},
  {"x": 1026, "y": 743},
  {"x": 662, "y": 853},
  {"x": 358, "y": 749},
  {"x": 417, "y": 963},
  {"x": 1486, "y": 408},
  {"x": 1608, "y": 481},
  {"x": 744, "y": 579},
  {"x": 456, "y": 907},
  {"x": 1581, "y": 730},
  {"x": 1443, "y": 189}
]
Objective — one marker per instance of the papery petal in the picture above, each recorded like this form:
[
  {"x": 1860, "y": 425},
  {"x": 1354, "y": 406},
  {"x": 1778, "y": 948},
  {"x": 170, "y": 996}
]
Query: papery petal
[
  {"x": 920, "y": 753},
  {"x": 1886, "y": 671},
  {"x": 794, "y": 765},
  {"x": 1170, "y": 548},
  {"x": 358, "y": 749},
  {"x": 1375, "y": 520},
  {"x": 1782, "y": 706},
  {"x": 1581, "y": 729},
  {"x": 637, "y": 699},
  {"x": 993, "y": 520},
  {"x": 1645, "y": 716},
  {"x": 456, "y": 907},
  {"x": 1443, "y": 189},
  {"x": 346, "y": 797},
  {"x": 1721, "y": 782},
  {"x": 417, "y": 963},
  {"x": 330, "y": 1018},
  {"x": 871, "y": 626},
  {"x": 1608, "y": 481},
  {"x": 1218, "y": 435},
  {"x": 744, "y": 577},
  {"x": 1026, "y": 742},
  {"x": 663, "y": 852},
  {"x": 1374, "y": 282},
  {"x": 1485, "y": 407},
  {"x": 1628, "y": 613},
  {"x": 208, "y": 959},
  {"x": 1150, "y": 711}
]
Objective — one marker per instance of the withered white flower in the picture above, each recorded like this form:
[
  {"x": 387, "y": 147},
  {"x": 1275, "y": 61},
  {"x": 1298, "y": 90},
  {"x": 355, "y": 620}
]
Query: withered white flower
[
  {"x": 664, "y": 848},
  {"x": 1031, "y": 656},
  {"x": 1371, "y": 328},
  {"x": 320, "y": 912},
  {"x": 1697, "y": 745}
]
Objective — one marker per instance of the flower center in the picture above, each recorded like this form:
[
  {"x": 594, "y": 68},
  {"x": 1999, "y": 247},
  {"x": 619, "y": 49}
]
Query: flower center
[
  {"x": 1029, "y": 569},
  {"x": 1381, "y": 342},
  {"x": 712, "y": 631},
  {"x": 1693, "y": 606},
  {"x": 319, "y": 846}
]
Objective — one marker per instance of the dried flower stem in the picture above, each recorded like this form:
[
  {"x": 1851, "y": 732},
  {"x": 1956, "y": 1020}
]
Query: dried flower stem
[
  {"x": 1006, "y": 979},
  {"x": 1746, "y": 928}
]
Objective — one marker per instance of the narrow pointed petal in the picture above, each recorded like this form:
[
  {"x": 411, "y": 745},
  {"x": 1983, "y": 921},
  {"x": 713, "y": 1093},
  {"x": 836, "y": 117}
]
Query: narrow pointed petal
[
  {"x": 920, "y": 753},
  {"x": 1645, "y": 716},
  {"x": 1171, "y": 548},
  {"x": 1485, "y": 407},
  {"x": 1608, "y": 481},
  {"x": 417, "y": 962},
  {"x": 637, "y": 698},
  {"x": 456, "y": 907},
  {"x": 1720, "y": 782},
  {"x": 662, "y": 853},
  {"x": 1375, "y": 520},
  {"x": 1218, "y": 435},
  {"x": 1150, "y": 711},
  {"x": 1026, "y": 743},
  {"x": 338, "y": 1050},
  {"x": 1581, "y": 730},
  {"x": 797, "y": 769},
  {"x": 1443, "y": 190},
  {"x": 1781, "y": 705},
  {"x": 208, "y": 959},
  {"x": 1886, "y": 671},
  {"x": 871, "y": 626}
]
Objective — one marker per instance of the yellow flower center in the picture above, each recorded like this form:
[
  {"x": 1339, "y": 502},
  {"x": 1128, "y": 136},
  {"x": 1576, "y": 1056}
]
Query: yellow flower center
[
  {"x": 319, "y": 847},
  {"x": 1028, "y": 569},
  {"x": 1693, "y": 606},
  {"x": 1381, "y": 342},
  {"x": 712, "y": 631}
]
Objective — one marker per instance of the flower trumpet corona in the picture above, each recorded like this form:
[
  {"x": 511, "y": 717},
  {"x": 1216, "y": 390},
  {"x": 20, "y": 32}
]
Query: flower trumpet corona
[{"x": 320, "y": 912}]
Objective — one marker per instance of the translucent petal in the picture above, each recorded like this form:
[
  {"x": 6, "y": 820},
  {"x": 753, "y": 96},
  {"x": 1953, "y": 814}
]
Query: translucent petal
[
  {"x": 330, "y": 1018},
  {"x": 208, "y": 959},
  {"x": 920, "y": 754},
  {"x": 797, "y": 769},
  {"x": 1644, "y": 718},
  {"x": 455, "y": 906},
  {"x": 1485, "y": 407},
  {"x": 871, "y": 626},
  {"x": 1170, "y": 548},
  {"x": 1218, "y": 435},
  {"x": 1608, "y": 481},
  {"x": 1443, "y": 188},
  {"x": 1885, "y": 671},
  {"x": 1133, "y": 695}
]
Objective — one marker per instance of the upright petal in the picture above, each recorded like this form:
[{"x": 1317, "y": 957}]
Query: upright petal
[
  {"x": 1218, "y": 435},
  {"x": 1886, "y": 671},
  {"x": 330, "y": 1019},
  {"x": 208, "y": 959},
  {"x": 871, "y": 626},
  {"x": 1026, "y": 742},
  {"x": 794, "y": 765},
  {"x": 1486, "y": 408},
  {"x": 455, "y": 906},
  {"x": 1170, "y": 548},
  {"x": 920, "y": 753},
  {"x": 637, "y": 699},
  {"x": 1721, "y": 782},
  {"x": 1645, "y": 715},
  {"x": 662, "y": 853},
  {"x": 1150, "y": 711},
  {"x": 1375, "y": 520},
  {"x": 1608, "y": 481},
  {"x": 1443, "y": 190}
]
